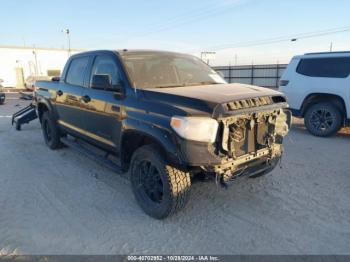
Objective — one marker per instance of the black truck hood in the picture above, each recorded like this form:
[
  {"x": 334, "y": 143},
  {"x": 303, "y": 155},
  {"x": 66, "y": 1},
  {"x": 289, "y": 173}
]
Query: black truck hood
[
  {"x": 204, "y": 98},
  {"x": 219, "y": 93}
]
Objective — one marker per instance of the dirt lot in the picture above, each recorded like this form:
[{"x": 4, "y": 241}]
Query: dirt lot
[{"x": 60, "y": 202}]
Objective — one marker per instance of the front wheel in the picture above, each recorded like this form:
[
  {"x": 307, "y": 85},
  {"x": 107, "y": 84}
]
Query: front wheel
[
  {"x": 159, "y": 188},
  {"x": 323, "y": 119}
]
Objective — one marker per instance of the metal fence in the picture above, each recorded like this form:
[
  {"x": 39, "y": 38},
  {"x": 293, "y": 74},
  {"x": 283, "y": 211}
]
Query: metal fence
[{"x": 260, "y": 75}]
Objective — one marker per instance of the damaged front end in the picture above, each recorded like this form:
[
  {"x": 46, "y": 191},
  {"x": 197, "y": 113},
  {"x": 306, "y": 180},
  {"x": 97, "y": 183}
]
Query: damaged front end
[{"x": 250, "y": 137}]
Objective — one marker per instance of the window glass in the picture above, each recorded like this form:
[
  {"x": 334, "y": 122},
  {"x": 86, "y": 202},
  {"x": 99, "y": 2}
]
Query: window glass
[
  {"x": 76, "y": 71},
  {"x": 337, "y": 67},
  {"x": 161, "y": 69},
  {"x": 105, "y": 65}
]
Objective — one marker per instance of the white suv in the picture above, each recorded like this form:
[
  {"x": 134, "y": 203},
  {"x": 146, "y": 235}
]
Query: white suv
[{"x": 317, "y": 86}]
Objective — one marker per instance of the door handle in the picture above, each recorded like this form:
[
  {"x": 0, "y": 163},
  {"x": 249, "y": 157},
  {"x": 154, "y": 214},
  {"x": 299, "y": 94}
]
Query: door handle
[
  {"x": 86, "y": 99},
  {"x": 59, "y": 92}
]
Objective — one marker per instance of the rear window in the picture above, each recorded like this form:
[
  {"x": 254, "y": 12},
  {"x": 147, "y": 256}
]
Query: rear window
[
  {"x": 76, "y": 71},
  {"x": 337, "y": 67}
]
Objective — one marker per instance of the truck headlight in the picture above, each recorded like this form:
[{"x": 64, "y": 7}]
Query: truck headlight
[{"x": 203, "y": 129}]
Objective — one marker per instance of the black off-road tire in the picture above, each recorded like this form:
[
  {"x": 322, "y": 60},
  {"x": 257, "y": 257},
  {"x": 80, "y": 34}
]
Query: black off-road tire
[
  {"x": 51, "y": 131},
  {"x": 174, "y": 183},
  {"x": 330, "y": 119}
]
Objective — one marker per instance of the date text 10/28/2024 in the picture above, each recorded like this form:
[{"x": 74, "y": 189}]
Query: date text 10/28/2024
[{"x": 173, "y": 258}]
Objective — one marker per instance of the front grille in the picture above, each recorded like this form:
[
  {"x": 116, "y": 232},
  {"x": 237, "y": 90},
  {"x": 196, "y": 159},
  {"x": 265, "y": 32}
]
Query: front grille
[
  {"x": 248, "y": 103},
  {"x": 248, "y": 135}
]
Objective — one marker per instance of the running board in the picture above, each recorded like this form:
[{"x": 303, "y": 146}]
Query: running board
[{"x": 94, "y": 153}]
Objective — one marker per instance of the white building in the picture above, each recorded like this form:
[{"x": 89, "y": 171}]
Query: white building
[{"x": 18, "y": 63}]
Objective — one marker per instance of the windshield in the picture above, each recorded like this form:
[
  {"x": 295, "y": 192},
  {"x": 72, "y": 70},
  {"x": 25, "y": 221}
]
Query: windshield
[{"x": 161, "y": 70}]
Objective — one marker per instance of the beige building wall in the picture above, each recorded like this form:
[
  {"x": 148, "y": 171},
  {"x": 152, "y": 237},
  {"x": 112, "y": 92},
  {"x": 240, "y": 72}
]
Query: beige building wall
[{"x": 18, "y": 63}]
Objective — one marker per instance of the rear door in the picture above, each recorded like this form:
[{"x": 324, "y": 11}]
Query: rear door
[
  {"x": 103, "y": 108},
  {"x": 69, "y": 93}
]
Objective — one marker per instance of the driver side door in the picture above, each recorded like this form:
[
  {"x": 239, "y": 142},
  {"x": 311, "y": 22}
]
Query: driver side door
[{"x": 102, "y": 108}]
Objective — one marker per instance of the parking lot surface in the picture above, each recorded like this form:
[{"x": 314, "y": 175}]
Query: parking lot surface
[{"x": 60, "y": 202}]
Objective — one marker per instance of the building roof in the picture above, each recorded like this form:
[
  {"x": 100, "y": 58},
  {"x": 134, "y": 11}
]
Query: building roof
[{"x": 40, "y": 48}]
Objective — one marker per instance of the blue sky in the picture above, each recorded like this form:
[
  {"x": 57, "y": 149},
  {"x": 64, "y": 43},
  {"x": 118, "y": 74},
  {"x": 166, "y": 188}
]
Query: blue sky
[{"x": 186, "y": 26}]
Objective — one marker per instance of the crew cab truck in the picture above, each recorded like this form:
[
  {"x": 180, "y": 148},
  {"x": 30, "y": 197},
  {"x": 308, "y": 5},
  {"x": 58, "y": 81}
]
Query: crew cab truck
[
  {"x": 317, "y": 86},
  {"x": 167, "y": 117}
]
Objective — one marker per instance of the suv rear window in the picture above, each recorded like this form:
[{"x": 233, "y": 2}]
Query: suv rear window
[
  {"x": 336, "y": 67},
  {"x": 76, "y": 71}
]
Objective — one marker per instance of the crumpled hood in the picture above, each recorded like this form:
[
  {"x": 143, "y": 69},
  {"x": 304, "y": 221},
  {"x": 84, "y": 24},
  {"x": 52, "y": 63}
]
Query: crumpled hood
[
  {"x": 202, "y": 100},
  {"x": 219, "y": 93}
]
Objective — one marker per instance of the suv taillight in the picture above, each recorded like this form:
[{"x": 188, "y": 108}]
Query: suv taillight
[{"x": 283, "y": 82}]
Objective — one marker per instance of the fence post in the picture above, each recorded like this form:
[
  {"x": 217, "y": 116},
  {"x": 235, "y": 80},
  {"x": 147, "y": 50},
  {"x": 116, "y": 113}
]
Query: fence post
[
  {"x": 277, "y": 71},
  {"x": 229, "y": 74}
]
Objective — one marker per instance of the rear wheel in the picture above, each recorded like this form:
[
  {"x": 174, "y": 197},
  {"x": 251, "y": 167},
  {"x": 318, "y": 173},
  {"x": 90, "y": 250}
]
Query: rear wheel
[
  {"x": 51, "y": 131},
  {"x": 159, "y": 188},
  {"x": 323, "y": 119}
]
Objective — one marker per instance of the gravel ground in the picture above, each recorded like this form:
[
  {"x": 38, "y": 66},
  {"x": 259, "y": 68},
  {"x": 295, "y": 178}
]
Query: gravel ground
[{"x": 60, "y": 202}]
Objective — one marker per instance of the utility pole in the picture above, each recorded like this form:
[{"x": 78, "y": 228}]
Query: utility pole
[
  {"x": 36, "y": 61},
  {"x": 206, "y": 56},
  {"x": 67, "y": 32},
  {"x": 24, "y": 41}
]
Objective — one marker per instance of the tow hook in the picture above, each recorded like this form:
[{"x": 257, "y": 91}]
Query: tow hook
[{"x": 227, "y": 179}]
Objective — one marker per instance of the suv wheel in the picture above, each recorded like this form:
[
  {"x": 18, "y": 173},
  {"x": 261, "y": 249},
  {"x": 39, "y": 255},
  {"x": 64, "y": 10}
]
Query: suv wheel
[
  {"x": 323, "y": 119},
  {"x": 51, "y": 131},
  {"x": 159, "y": 189}
]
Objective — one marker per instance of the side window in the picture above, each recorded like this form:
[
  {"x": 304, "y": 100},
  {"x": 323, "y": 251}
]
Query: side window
[
  {"x": 337, "y": 67},
  {"x": 105, "y": 65},
  {"x": 76, "y": 71}
]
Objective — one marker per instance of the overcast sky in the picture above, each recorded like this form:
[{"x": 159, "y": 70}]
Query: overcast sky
[{"x": 181, "y": 25}]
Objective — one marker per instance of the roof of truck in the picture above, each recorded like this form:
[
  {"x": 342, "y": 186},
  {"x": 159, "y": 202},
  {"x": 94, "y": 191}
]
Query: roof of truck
[{"x": 128, "y": 51}]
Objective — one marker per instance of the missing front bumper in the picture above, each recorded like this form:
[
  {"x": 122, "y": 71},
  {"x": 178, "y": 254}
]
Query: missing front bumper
[
  {"x": 252, "y": 165},
  {"x": 259, "y": 168}
]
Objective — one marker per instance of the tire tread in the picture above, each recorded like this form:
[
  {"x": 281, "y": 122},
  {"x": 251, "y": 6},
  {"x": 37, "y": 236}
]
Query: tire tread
[{"x": 179, "y": 182}]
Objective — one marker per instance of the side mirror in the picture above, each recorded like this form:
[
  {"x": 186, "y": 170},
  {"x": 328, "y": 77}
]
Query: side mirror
[{"x": 103, "y": 82}]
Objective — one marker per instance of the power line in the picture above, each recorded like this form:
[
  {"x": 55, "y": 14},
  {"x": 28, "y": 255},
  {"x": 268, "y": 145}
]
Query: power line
[
  {"x": 193, "y": 18},
  {"x": 274, "y": 40},
  {"x": 184, "y": 19},
  {"x": 191, "y": 12}
]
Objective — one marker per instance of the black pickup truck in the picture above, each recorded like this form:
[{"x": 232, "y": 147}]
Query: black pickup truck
[{"x": 167, "y": 117}]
